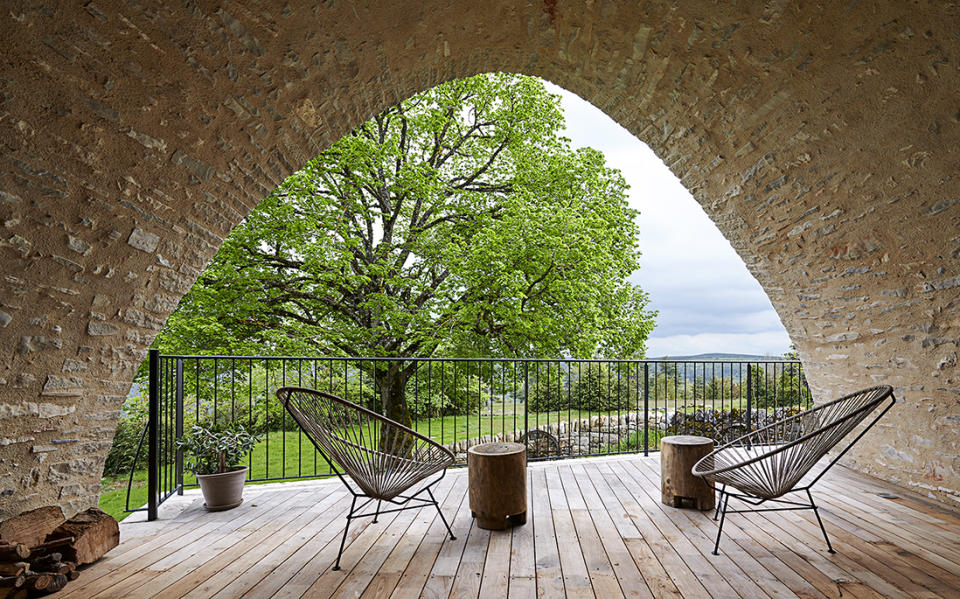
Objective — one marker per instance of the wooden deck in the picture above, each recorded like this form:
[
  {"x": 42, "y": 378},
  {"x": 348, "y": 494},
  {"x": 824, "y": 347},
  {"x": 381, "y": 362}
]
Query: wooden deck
[{"x": 595, "y": 528}]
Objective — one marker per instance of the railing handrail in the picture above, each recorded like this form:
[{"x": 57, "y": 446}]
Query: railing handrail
[{"x": 504, "y": 359}]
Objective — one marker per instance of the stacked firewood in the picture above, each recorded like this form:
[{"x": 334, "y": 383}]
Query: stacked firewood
[
  {"x": 40, "y": 550},
  {"x": 38, "y": 570}
]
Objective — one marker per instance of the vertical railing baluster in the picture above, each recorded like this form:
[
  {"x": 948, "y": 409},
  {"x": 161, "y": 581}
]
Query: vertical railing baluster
[
  {"x": 179, "y": 424},
  {"x": 215, "y": 392},
  {"x": 299, "y": 431},
  {"x": 646, "y": 408},
  {"x": 569, "y": 370},
  {"x": 266, "y": 404},
  {"x": 233, "y": 389},
  {"x": 526, "y": 403},
  {"x": 749, "y": 398},
  {"x": 430, "y": 400},
  {"x": 250, "y": 411},
  {"x": 490, "y": 401},
  {"x": 480, "y": 399},
  {"x": 153, "y": 456}
]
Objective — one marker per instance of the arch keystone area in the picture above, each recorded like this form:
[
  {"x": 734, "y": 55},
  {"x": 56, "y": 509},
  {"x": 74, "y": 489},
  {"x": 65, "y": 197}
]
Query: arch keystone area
[{"x": 822, "y": 140}]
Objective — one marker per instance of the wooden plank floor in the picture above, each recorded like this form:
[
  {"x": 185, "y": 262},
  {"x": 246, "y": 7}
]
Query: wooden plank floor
[{"x": 595, "y": 528}]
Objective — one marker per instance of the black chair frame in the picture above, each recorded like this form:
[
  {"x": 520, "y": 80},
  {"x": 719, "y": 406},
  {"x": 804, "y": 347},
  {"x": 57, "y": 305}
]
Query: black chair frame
[
  {"x": 790, "y": 505},
  {"x": 399, "y": 499}
]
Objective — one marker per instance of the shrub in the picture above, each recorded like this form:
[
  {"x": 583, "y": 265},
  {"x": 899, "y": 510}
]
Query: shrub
[
  {"x": 599, "y": 389},
  {"x": 549, "y": 395},
  {"x": 634, "y": 441}
]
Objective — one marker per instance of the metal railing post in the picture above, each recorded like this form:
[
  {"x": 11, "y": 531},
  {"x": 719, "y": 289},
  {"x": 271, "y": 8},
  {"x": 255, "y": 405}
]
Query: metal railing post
[
  {"x": 749, "y": 398},
  {"x": 646, "y": 408},
  {"x": 153, "y": 449},
  {"x": 526, "y": 402},
  {"x": 179, "y": 425}
]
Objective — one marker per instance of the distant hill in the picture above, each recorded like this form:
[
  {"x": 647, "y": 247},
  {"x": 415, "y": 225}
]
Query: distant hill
[
  {"x": 718, "y": 356},
  {"x": 707, "y": 366}
]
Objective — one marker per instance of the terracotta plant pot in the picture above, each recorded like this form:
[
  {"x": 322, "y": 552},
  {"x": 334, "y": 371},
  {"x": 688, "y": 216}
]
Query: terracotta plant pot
[{"x": 223, "y": 491}]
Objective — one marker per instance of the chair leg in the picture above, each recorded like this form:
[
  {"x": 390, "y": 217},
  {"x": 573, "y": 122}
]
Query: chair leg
[
  {"x": 376, "y": 515},
  {"x": 816, "y": 512},
  {"x": 343, "y": 540},
  {"x": 439, "y": 511},
  {"x": 723, "y": 516},
  {"x": 716, "y": 514}
]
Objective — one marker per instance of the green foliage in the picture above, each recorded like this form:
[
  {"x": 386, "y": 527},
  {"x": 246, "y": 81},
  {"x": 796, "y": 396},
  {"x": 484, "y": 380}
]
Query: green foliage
[
  {"x": 459, "y": 393},
  {"x": 216, "y": 448},
  {"x": 718, "y": 388},
  {"x": 548, "y": 392},
  {"x": 634, "y": 441},
  {"x": 457, "y": 221},
  {"x": 599, "y": 388}
]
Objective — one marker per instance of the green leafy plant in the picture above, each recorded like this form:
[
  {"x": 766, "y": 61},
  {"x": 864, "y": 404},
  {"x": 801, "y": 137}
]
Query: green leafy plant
[{"x": 217, "y": 448}]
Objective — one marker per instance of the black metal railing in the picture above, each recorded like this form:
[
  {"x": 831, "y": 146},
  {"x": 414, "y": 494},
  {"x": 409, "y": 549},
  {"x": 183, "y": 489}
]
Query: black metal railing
[{"x": 558, "y": 407}]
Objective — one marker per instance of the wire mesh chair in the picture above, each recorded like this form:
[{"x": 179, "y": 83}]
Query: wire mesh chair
[
  {"x": 383, "y": 458},
  {"x": 770, "y": 462}
]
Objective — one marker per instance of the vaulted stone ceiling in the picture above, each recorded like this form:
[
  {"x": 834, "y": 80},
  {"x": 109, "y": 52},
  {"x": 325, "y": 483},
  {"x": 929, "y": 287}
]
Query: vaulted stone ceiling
[{"x": 822, "y": 139}]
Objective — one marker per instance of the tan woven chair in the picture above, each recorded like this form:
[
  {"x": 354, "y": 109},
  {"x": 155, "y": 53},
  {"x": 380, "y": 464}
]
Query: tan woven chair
[
  {"x": 382, "y": 458},
  {"x": 770, "y": 462}
]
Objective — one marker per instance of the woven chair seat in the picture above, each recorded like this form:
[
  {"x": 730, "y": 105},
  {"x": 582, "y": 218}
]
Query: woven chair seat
[
  {"x": 383, "y": 457},
  {"x": 770, "y": 461},
  {"x": 765, "y": 460}
]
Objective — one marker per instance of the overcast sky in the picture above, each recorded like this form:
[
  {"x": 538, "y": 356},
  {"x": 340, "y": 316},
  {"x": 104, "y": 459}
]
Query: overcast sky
[{"x": 707, "y": 299}]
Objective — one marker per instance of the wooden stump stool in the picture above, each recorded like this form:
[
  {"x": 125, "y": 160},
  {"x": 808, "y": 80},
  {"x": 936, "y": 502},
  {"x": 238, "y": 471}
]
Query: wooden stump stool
[
  {"x": 498, "y": 484},
  {"x": 678, "y": 485}
]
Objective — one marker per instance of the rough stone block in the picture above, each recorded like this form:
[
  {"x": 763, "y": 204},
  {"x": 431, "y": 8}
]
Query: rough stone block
[{"x": 143, "y": 240}]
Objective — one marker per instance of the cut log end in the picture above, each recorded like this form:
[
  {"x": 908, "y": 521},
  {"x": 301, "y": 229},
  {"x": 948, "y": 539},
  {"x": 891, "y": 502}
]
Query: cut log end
[
  {"x": 94, "y": 531},
  {"x": 50, "y": 562},
  {"x": 57, "y": 582},
  {"x": 38, "y": 582}
]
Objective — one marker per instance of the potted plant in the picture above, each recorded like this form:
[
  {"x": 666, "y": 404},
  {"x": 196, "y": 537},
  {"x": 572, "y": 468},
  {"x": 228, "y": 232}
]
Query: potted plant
[{"x": 213, "y": 454}]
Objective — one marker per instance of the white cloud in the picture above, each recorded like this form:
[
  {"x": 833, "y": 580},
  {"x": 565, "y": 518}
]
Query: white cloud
[{"x": 707, "y": 299}]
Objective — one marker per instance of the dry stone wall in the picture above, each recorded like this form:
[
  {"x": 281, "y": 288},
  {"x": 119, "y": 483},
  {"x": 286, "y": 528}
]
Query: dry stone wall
[{"x": 822, "y": 138}]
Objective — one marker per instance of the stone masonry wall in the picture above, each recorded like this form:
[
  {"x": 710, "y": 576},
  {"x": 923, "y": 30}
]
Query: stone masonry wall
[{"x": 821, "y": 138}]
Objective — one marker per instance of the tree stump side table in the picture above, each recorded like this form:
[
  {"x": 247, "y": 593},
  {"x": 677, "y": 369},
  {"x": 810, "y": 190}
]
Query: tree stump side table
[
  {"x": 497, "y": 476},
  {"x": 678, "y": 485}
]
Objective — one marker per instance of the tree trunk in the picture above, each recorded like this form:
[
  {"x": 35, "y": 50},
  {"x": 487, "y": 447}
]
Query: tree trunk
[{"x": 392, "y": 383}]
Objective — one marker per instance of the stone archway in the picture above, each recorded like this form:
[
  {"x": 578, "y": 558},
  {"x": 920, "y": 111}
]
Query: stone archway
[{"x": 822, "y": 141}]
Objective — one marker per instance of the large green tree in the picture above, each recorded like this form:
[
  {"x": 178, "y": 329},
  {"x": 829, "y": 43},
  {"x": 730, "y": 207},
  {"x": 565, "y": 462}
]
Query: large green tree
[{"x": 457, "y": 221}]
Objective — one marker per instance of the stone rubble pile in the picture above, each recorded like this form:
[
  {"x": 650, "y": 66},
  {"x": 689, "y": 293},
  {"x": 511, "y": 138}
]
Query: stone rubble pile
[{"x": 599, "y": 434}]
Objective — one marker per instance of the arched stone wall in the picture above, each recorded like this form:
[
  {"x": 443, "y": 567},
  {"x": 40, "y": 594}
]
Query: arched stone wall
[{"x": 822, "y": 141}]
